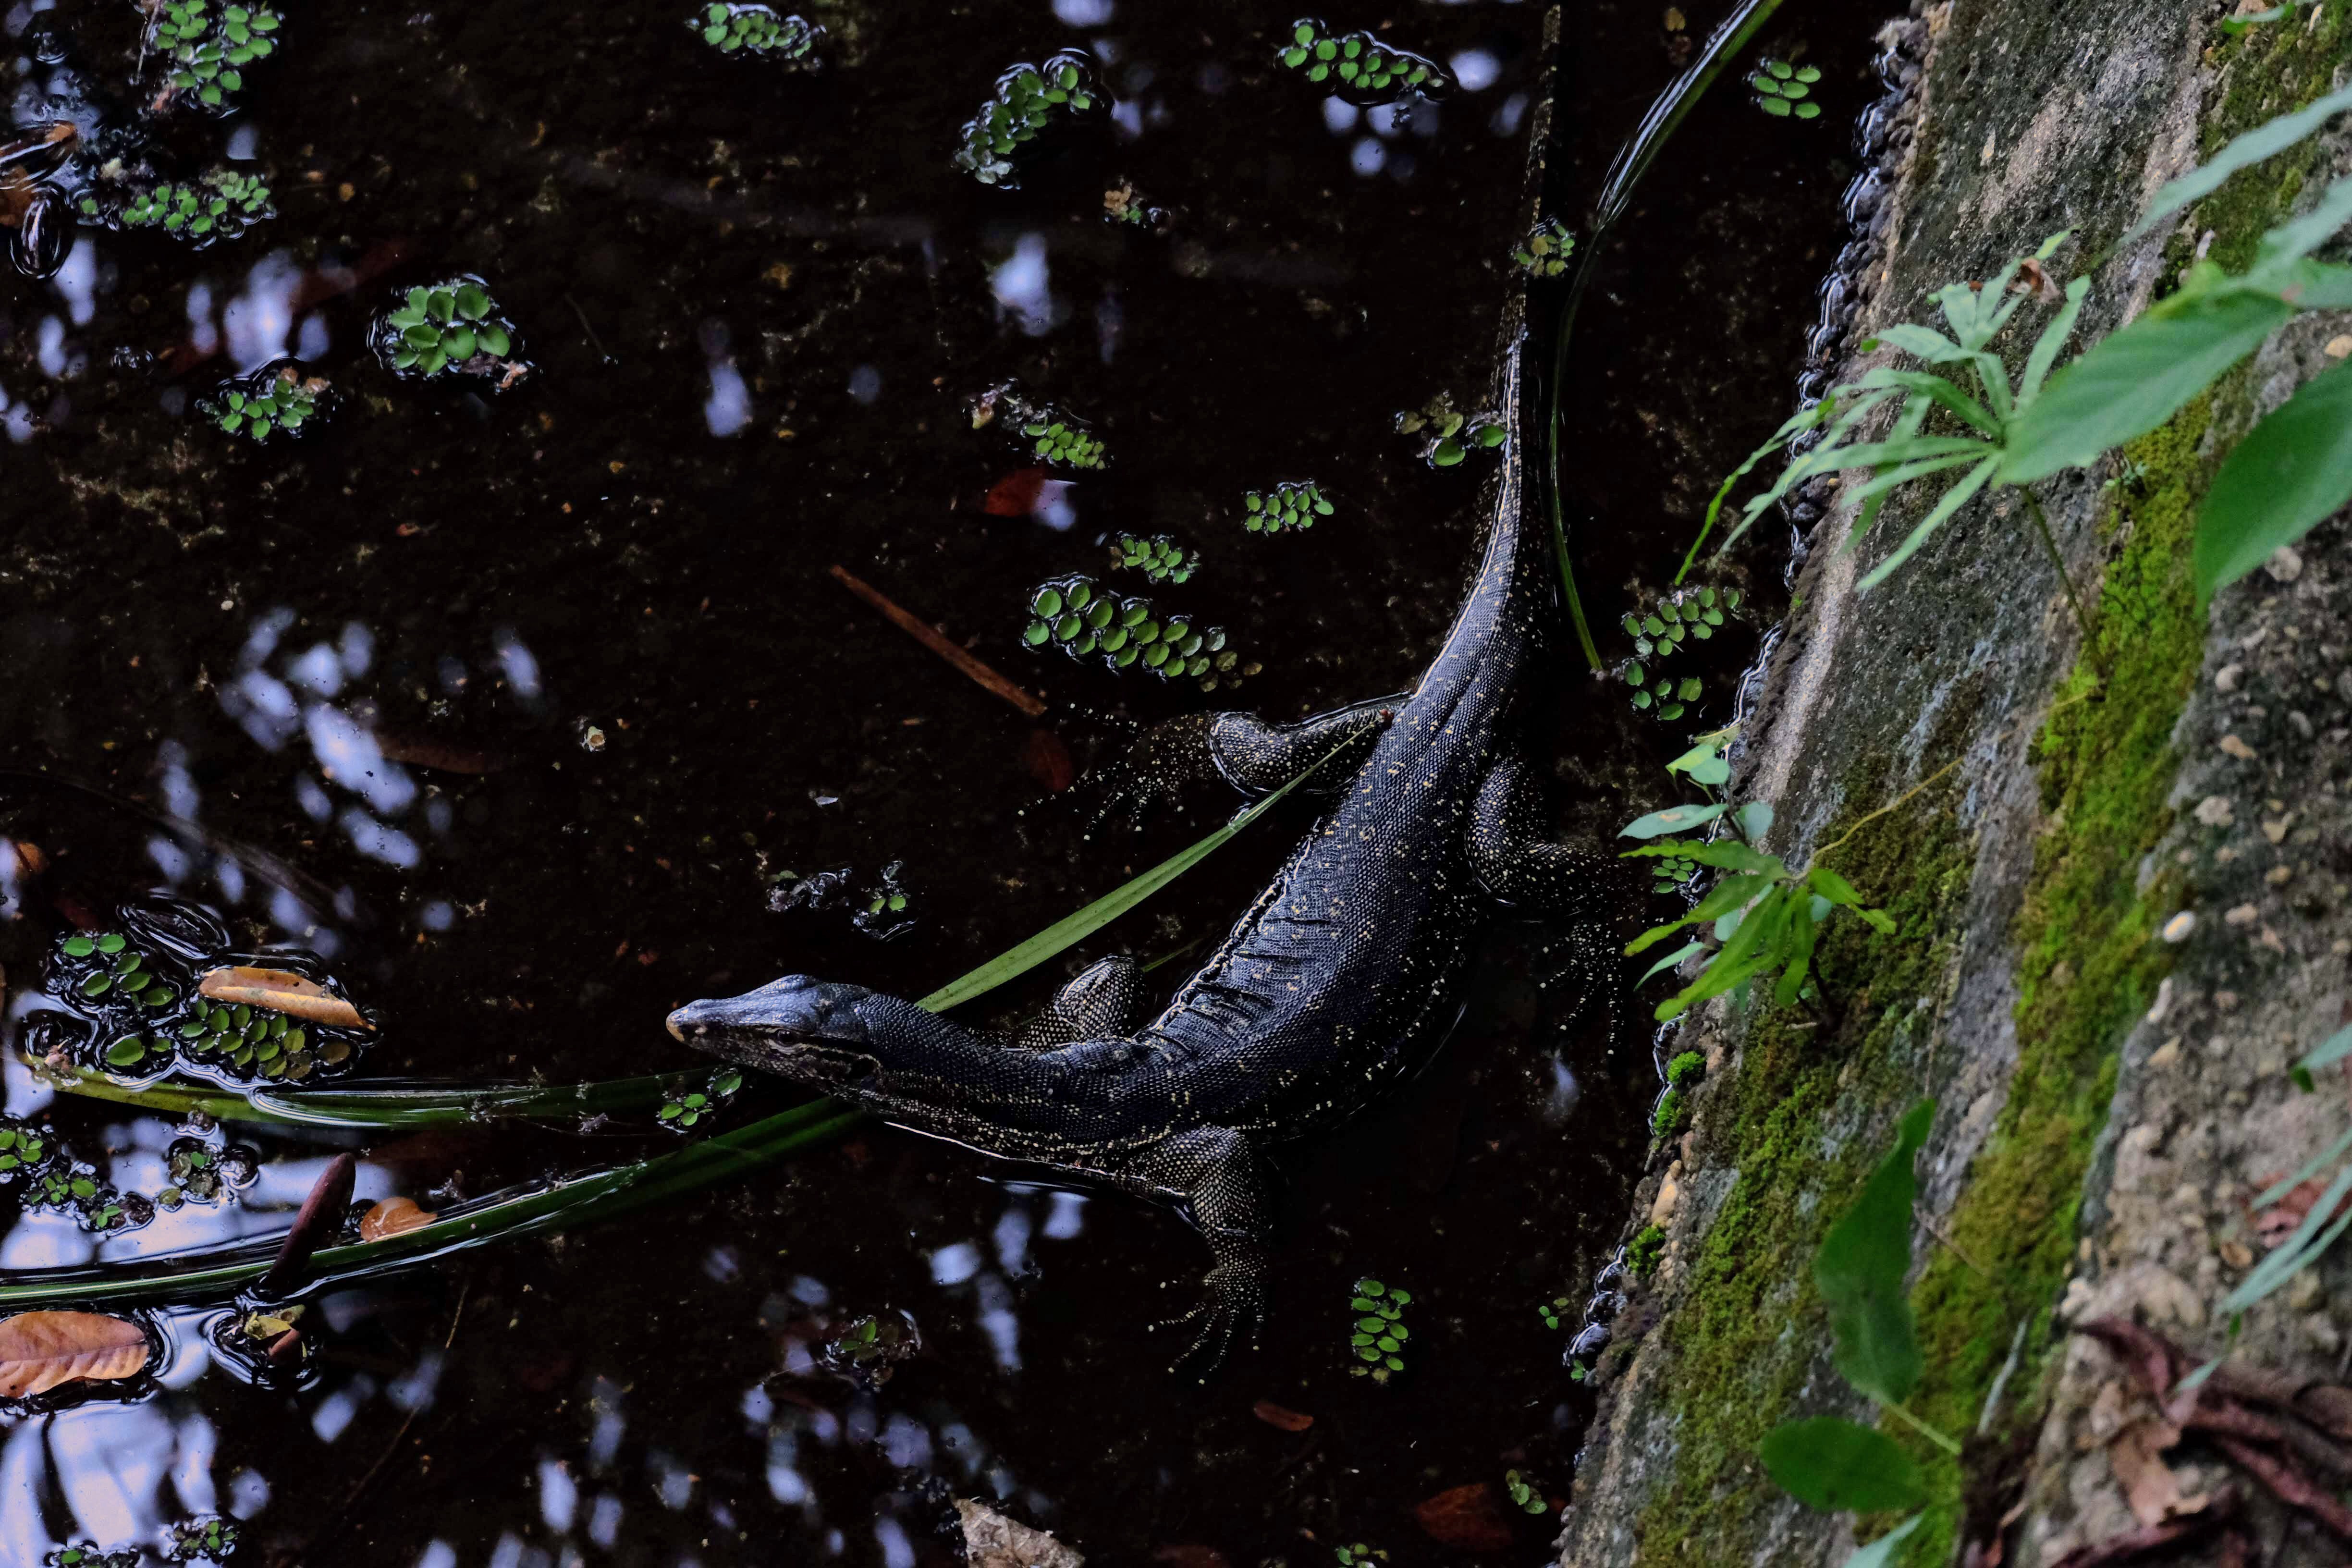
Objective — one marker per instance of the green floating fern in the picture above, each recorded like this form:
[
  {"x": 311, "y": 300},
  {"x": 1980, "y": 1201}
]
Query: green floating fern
[
  {"x": 1545, "y": 251},
  {"x": 1662, "y": 631},
  {"x": 757, "y": 30},
  {"x": 1287, "y": 507},
  {"x": 1061, "y": 439},
  {"x": 1783, "y": 89},
  {"x": 1160, "y": 558},
  {"x": 274, "y": 400},
  {"x": 221, "y": 204},
  {"x": 1447, "y": 435},
  {"x": 1378, "y": 1334},
  {"x": 1359, "y": 66},
  {"x": 451, "y": 326},
  {"x": 208, "y": 49},
  {"x": 1084, "y": 620},
  {"x": 1026, "y": 99}
]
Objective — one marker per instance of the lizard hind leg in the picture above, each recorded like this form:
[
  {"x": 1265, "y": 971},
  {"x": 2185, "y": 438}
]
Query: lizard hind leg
[
  {"x": 1242, "y": 750},
  {"x": 1099, "y": 1004},
  {"x": 1215, "y": 1174}
]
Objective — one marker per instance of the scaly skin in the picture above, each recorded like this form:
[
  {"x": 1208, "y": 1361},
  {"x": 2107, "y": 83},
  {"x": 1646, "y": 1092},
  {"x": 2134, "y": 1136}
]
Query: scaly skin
[{"x": 1338, "y": 982}]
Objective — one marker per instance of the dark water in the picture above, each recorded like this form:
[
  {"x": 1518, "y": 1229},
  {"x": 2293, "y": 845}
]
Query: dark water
[{"x": 757, "y": 305}]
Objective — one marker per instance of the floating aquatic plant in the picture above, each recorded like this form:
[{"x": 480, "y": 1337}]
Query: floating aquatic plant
[
  {"x": 1545, "y": 251},
  {"x": 1448, "y": 435},
  {"x": 1358, "y": 66},
  {"x": 1669, "y": 872},
  {"x": 207, "y": 1538},
  {"x": 1552, "y": 1312},
  {"x": 200, "y": 1172},
  {"x": 1522, "y": 1494},
  {"x": 869, "y": 1349},
  {"x": 691, "y": 1106},
  {"x": 1784, "y": 90},
  {"x": 1123, "y": 204},
  {"x": 452, "y": 326},
  {"x": 1026, "y": 99},
  {"x": 1359, "y": 1555},
  {"x": 1378, "y": 1334},
  {"x": 274, "y": 400},
  {"x": 220, "y": 204},
  {"x": 1160, "y": 558},
  {"x": 207, "y": 50},
  {"x": 885, "y": 915},
  {"x": 1664, "y": 630},
  {"x": 1061, "y": 439},
  {"x": 52, "y": 1179},
  {"x": 1291, "y": 505},
  {"x": 86, "y": 1555},
  {"x": 881, "y": 910},
  {"x": 756, "y": 29},
  {"x": 1083, "y": 619}
]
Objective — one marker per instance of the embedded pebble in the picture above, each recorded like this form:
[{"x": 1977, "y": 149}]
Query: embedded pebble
[
  {"x": 2166, "y": 1055},
  {"x": 2178, "y": 928},
  {"x": 2339, "y": 347},
  {"x": 2285, "y": 565},
  {"x": 2214, "y": 811},
  {"x": 2275, "y": 828},
  {"x": 2237, "y": 748},
  {"x": 2243, "y": 915},
  {"x": 2226, "y": 678}
]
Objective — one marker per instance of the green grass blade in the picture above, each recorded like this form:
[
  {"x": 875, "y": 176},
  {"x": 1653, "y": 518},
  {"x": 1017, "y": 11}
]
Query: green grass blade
[
  {"x": 2262, "y": 142},
  {"x": 388, "y": 1104},
  {"x": 1958, "y": 496},
  {"x": 1633, "y": 160},
  {"x": 1071, "y": 929}
]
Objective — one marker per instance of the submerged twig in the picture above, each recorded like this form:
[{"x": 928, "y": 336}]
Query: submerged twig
[{"x": 932, "y": 637}]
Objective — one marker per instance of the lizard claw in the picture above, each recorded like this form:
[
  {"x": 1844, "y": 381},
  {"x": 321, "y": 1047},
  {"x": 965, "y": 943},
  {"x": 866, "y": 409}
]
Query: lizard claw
[{"x": 1235, "y": 1308}]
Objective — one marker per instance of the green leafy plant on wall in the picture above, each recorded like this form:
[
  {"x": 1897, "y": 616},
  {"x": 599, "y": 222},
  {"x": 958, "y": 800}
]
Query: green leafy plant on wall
[
  {"x": 2293, "y": 469},
  {"x": 1026, "y": 100},
  {"x": 757, "y": 30},
  {"x": 1784, "y": 90},
  {"x": 1760, "y": 917},
  {"x": 1672, "y": 1111},
  {"x": 206, "y": 48},
  {"x": 1840, "y": 1466},
  {"x": 1358, "y": 66},
  {"x": 1288, "y": 507}
]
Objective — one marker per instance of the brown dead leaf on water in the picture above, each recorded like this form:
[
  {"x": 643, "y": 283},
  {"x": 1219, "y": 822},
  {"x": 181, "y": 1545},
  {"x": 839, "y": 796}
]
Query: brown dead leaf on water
[
  {"x": 2150, "y": 1487},
  {"x": 279, "y": 991},
  {"x": 442, "y": 756},
  {"x": 1274, "y": 1415},
  {"x": 41, "y": 1351},
  {"x": 393, "y": 1216}
]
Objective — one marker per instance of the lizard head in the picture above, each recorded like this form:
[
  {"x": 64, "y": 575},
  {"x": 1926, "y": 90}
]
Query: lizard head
[{"x": 804, "y": 1029}]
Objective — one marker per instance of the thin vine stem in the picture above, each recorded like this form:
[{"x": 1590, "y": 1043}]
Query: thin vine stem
[
  {"x": 2082, "y": 617},
  {"x": 1930, "y": 1433}
]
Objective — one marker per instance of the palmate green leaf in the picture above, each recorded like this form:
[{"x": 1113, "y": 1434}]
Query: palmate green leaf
[
  {"x": 1672, "y": 960},
  {"x": 1958, "y": 496},
  {"x": 1860, "y": 1271},
  {"x": 2136, "y": 378},
  {"x": 1880, "y": 1552},
  {"x": 2052, "y": 342},
  {"x": 1841, "y": 1466},
  {"x": 1674, "y": 819},
  {"x": 1703, "y": 763},
  {"x": 1727, "y": 853},
  {"x": 2262, "y": 142},
  {"x": 1803, "y": 929},
  {"x": 1936, "y": 389},
  {"x": 2293, "y": 470},
  {"x": 1730, "y": 894}
]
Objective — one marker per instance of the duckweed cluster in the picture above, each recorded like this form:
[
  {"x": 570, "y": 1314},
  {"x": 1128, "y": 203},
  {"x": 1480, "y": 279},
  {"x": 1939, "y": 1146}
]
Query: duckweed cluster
[
  {"x": 207, "y": 1538},
  {"x": 1783, "y": 89},
  {"x": 1668, "y": 872},
  {"x": 1123, "y": 204},
  {"x": 756, "y": 29},
  {"x": 1160, "y": 558},
  {"x": 274, "y": 400},
  {"x": 455, "y": 325},
  {"x": 1288, "y": 505},
  {"x": 221, "y": 204},
  {"x": 1378, "y": 1334},
  {"x": 244, "y": 1042},
  {"x": 1545, "y": 251},
  {"x": 682, "y": 1113},
  {"x": 1359, "y": 1555},
  {"x": 1061, "y": 439},
  {"x": 1662, "y": 631},
  {"x": 54, "y": 1180},
  {"x": 1522, "y": 1494},
  {"x": 885, "y": 912},
  {"x": 1448, "y": 435},
  {"x": 86, "y": 1555},
  {"x": 1025, "y": 101},
  {"x": 1358, "y": 66},
  {"x": 200, "y": 1172},
  {"x": 208, "y": 49},
  {"x": 1084, "y": 620}
]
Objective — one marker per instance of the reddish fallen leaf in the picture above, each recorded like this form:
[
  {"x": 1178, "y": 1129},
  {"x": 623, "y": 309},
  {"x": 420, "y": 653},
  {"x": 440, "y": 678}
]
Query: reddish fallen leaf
[
  {"x": 320, "y": 1216},
  {"x": 393, "y": 1216},
  {"x": 280, "y": 991},
  {"x": 1049, "y": 761},
  {"x": 1191, "y": 1557},
  {"x": 29, "y": 857},
  {"x": 441, "y": 756},
  {"x": 1014, "y": 495},
  {"x": 2150, "y": 1487},
  {"x": 1470, "y": 1517},
  {"x": 40, "y": 1351},
  {"x": 1274, "y": 1415}
]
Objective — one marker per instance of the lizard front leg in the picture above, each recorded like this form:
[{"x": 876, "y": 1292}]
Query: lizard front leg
[
  {"x": 1215, "y": 1174},
  {"x": 1244, "y": 751},
  {"x": 1523, "y": 869}
]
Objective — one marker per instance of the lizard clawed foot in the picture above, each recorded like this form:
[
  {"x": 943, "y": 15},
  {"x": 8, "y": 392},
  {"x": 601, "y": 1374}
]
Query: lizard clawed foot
[{"x": 1235, "y": 1308}]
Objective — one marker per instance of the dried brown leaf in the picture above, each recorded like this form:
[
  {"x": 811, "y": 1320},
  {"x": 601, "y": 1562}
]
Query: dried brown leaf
[
  {"x": 393, "y": 1216},
  {"x": 2150, "y": 1487},
  {"x": 1274, "y": 1415},
  {"x": 2274, "y": 1224},
  {"x": 39, "y": 1350},
  {"x": 1470, "y": 1517},
  {"x": 280, "y": 991}
]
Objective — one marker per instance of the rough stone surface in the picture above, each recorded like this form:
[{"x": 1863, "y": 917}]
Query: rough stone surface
[
  {"x": 2021, "y": 119},
  {"x": 992, "y": 1540}
]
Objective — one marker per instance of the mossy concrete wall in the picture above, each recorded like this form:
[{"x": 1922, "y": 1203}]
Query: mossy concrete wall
[{"x": 2035, "y": 811}]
